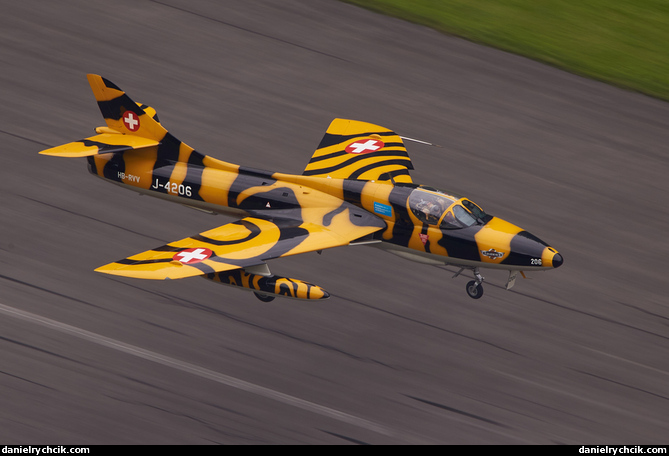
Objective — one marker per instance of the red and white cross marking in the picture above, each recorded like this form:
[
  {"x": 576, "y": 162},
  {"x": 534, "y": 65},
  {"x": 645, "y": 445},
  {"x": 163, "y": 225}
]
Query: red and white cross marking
[
  {"x": 192, "y": 256},
  {"x": 131, "y": 121},
  {"x": 364, "y": 147}
]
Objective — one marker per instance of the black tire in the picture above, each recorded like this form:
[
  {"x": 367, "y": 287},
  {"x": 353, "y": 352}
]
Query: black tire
[
  {"x": 473, "y": 290},
  {"x": 264, "y": 298}
]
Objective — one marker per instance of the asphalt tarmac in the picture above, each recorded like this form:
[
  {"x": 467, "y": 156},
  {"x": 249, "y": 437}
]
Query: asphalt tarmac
[{"x": 399, "y": 354}]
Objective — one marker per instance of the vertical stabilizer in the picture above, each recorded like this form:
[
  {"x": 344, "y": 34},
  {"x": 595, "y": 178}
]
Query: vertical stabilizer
[{"x": 121, "y": 113}]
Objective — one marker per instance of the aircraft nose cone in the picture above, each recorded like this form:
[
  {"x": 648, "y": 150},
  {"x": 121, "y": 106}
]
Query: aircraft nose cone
[{"x": 557, "y": 260}]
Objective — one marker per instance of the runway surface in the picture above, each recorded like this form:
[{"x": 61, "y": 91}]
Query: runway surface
[{"x": 400, "y": 354}]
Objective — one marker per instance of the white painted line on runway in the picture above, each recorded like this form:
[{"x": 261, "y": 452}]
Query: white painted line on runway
[{"x": 193, "y": 369}]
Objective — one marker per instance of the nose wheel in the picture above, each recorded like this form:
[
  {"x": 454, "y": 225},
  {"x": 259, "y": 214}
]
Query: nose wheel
[{"x": 474, "y": 289}]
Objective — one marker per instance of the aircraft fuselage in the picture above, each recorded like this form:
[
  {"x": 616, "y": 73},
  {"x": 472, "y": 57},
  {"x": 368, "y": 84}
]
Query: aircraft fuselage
[
  {"x": 221, "y": 187},
  {"x": 355, "y": 189}
]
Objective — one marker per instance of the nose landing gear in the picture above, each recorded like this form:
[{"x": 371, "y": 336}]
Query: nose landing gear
[{"x": 474, "y": 287}]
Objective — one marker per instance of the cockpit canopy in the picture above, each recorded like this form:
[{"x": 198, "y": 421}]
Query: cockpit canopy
[{"x": 447, "y": 211}]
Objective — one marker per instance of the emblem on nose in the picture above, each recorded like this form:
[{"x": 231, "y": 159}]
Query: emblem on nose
[{"x": 492, "y": 253}]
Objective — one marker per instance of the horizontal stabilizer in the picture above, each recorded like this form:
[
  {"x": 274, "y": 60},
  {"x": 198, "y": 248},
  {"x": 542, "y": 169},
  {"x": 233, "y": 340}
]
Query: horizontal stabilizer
[{"x": 105, "y": 143}]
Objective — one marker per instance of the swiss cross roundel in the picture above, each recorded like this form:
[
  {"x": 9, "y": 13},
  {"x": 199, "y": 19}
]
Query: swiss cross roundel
[
  {"x": 364, "y": 146},
  {"x": 131, "y": 121},
  {"x": 192, "y": 256}
]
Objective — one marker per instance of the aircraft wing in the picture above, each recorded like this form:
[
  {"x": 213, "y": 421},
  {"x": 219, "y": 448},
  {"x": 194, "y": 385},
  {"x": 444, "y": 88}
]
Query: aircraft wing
[
  {"x": 247, "y": 242},
  {"x": 352, "y": 149}
]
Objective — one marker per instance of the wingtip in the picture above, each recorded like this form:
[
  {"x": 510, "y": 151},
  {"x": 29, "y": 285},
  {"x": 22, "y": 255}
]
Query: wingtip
[{"x": 165, "y": 271}]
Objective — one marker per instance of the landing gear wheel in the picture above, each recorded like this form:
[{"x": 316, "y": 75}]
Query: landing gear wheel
[
  {"x": 474, "y": 289},
  {"x": 264, "y": 297}
]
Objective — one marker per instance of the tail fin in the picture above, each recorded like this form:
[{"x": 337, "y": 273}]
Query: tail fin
[
  {"x": 130, "y": 125},
  {"x": 122, "y": 114}
]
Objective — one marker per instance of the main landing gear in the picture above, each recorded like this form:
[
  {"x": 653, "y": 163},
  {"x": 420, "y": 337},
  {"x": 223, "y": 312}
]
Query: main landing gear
[
  {"x": 263, "y": 297},
  {"x": 474, "y": 287}
]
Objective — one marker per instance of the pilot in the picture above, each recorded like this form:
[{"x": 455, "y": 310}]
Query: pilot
[{"x": 432, "y": 210}]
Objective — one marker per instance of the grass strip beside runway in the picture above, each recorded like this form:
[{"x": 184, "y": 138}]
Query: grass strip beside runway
[{"x": 621, "y": 42}]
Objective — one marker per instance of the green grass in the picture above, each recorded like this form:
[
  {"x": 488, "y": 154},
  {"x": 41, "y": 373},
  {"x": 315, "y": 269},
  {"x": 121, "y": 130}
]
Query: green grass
[{"x": 621, "y": 42}]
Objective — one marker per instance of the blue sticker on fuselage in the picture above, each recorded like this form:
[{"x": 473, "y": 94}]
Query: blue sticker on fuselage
[{"x": 383, "y": 209}]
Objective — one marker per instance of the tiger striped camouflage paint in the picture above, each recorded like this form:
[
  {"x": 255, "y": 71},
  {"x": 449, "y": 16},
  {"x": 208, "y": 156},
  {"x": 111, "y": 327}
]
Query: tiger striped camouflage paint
[
  {"x": 355, "y": 189},
  {"x": 269, "y": 285}
]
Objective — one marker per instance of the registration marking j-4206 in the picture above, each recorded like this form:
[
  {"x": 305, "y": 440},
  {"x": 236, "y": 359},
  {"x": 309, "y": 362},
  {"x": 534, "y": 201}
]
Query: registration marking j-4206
[{"x": 173, "y": 187}]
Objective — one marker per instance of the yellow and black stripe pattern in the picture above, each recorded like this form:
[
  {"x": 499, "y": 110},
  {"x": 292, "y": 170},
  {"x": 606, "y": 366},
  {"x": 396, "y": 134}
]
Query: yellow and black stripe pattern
[
  {"x": 362, "y": 151},
  {"x": 356, "y": 188},
  {"x": 247, "y": 242},
  {"x": 269, "y": 285},
  {"x": 491, "y": 242}
]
